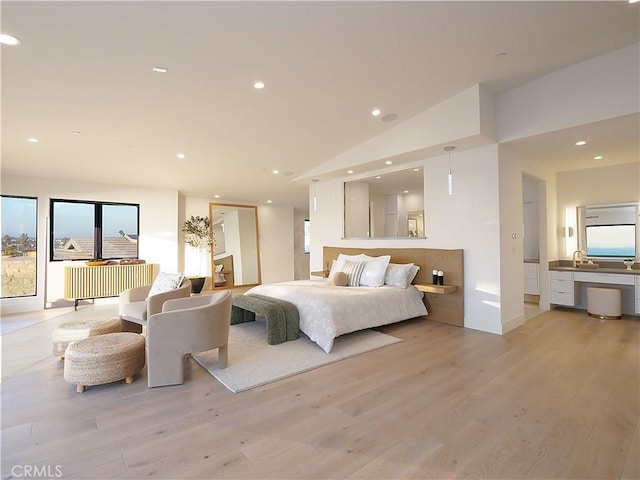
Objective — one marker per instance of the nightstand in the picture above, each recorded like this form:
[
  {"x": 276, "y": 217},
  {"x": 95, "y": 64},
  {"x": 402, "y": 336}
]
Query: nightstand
[
  {"x": 437, "y": 289},
  {"x": 321, "y": 273}
]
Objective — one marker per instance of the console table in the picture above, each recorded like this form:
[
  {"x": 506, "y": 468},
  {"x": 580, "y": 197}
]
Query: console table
[{"x": 84, "y": 282}]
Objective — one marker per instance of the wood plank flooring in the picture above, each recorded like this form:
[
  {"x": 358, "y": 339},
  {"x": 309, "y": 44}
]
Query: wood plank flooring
[{"x": 556, "y": 398}]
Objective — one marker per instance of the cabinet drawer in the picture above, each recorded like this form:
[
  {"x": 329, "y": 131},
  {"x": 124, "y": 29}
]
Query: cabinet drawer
[
  {"x": 531, "y": 286},
  {"x": 554, "y": 274},
  {"x": 614, "y": 278},
  {"x": 561, "y": 286},
  {"x": 531, "y": 270},
  {"x": 563, "y": 298}
]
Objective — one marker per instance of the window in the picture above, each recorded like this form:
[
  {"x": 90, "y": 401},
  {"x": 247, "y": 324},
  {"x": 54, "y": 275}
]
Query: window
[
  {"x": 85, "y": 230},
  {"x": 19, "y": 246}
]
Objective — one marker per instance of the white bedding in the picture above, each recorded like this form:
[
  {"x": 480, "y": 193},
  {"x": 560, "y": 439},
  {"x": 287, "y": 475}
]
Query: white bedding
[{"x": 327, "y": 311}]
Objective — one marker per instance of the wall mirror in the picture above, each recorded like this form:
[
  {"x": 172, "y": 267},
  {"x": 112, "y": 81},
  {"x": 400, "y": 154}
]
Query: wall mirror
[
  {"x": 386, "y": 205},
  {"x": 235, "y": 256}
]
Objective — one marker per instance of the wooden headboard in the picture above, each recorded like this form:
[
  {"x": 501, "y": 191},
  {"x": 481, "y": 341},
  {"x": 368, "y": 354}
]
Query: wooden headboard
[{"x": 447, "y": 308}]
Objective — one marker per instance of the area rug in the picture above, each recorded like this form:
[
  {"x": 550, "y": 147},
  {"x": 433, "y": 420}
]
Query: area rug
[{"x": 252, "y": 362}]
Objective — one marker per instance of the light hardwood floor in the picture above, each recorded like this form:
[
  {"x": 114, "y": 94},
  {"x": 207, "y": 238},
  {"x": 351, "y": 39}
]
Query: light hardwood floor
[{"x": 555, "y": 398}]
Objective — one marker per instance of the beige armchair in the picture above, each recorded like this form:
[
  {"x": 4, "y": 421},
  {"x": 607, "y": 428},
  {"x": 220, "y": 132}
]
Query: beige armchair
[
  {"x": 188, "y": 325},
  {"x": 136, "y": 306}
]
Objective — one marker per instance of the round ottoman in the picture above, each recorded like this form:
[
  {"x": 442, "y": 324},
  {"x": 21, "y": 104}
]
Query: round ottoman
[
  {"x": 75, "y": 330},
  {"x": 604, "y": 303},
  {"x": 104, "y": 359}
]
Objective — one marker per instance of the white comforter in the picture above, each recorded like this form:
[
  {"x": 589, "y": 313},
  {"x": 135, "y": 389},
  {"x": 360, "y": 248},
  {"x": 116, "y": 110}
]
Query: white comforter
[{"x": 326, "y": 311}]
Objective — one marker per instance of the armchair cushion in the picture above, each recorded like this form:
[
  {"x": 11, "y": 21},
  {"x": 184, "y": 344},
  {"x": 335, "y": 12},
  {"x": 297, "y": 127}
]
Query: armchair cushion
[{"x": 165, "y": 282}]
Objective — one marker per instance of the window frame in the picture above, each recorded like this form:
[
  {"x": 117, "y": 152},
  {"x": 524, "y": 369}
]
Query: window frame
[
  {"x": 97, "y": 227},
  {"x": 35, "y": 238}
]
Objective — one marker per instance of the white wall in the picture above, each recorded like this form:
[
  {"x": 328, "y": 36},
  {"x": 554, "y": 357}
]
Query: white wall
[
  {"x": 594, "y": 186},
  {"x": 275, "y": 237},
  {"x": 158, "y": 229},
  {"x": 469, "y": 220},
  {"x": 600, "y": 88}
]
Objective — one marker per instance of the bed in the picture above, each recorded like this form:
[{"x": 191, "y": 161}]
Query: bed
[{"x": 327, "y": 311}]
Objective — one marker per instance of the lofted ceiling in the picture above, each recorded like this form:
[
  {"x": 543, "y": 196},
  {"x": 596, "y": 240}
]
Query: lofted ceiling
[{"x": 82, "y": 83}]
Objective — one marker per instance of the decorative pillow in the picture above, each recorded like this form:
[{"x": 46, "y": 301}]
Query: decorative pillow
[
  {"x": 218, "y": 276},
  {"x": 353, "y": 270},
  {"x": 374, "y": 271},
  {"x": 398, "y": 275},
  {"x": 338, "y": 265},
  {"x": 412, "y": 274},
  {"x": 340, "y": 279},
  {"x": 165, "y": 282}
]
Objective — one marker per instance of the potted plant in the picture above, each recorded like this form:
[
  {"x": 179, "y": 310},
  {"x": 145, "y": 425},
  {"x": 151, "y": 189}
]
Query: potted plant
[{"x": 197, "y": 234}]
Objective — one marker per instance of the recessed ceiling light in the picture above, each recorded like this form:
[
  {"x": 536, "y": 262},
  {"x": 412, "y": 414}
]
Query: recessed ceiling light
[
  {"x": 275, "y": 172},
  {"x": 375, "y": 112},
  {"x": 406, "y": 191},
  {"x": 258, "y": 85},
  {"x": 580, "y": 143},
  {"x": 349, "y": 171},
  {"x": 378, "y": 177},
  {"x": 181, "y": 156},
  {"x": 216, "y": 196},
  {"x": 76, "y": 132},
  {"x": 389, "y": 117},
  {"x": 416, "y": 169},
  {"x": 6, "y": 39},
  {"x": 501, "y": 54},
  {"x": 388, "y": 162},
  {"x": 268, "y": 201},
  {"x": 160, "y": 69},
  {"x": 634, "y": 1},
  {"x": 598, "y": 157},
  {"x": 32, "y": 140}
]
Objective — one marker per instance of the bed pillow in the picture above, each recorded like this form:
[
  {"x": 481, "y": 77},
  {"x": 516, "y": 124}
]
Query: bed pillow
[
  {"x": 374, "y": 271},
  {"x": 165, "y": 282},
  {"x": 338, "y": 265},
  {"x": 412, "y": 274},
  {"x": 398, "y": 275},
  {"x": 340, "y": 279},
  {"x": 353, "y": 270}
]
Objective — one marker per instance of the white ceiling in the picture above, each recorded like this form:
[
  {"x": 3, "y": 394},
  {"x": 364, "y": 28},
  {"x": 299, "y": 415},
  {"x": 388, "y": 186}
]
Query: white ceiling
[{"x": 87, "y": 67}]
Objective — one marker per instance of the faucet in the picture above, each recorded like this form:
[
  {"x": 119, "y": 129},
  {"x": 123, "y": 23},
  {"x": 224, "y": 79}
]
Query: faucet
[{"x": 578, "y": 258}]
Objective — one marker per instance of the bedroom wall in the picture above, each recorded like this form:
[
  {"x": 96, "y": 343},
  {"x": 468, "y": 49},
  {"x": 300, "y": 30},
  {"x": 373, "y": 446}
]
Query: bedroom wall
[
  {"x": 595, "y": 186},
  {"x": 469, "y": 219},
  {"x": 158, "y": 229},
  {"x": 275, "y": 235}
]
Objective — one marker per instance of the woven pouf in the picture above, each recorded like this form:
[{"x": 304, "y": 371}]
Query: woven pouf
[
  {"x": 75, "y": 330},
  {"x": 104, "y": 359}
]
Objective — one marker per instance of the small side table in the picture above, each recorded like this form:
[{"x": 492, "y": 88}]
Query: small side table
[{"x": 322, "y": 273}]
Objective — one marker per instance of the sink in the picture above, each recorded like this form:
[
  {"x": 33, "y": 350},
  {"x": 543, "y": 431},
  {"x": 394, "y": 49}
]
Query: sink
[{"x": 588, "y": 266}]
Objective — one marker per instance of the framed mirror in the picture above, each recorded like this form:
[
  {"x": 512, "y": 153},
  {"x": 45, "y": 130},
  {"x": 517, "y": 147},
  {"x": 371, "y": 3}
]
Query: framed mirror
[
  {"x": 235, "y": 256},
  {"x": 388, "y": 205}
]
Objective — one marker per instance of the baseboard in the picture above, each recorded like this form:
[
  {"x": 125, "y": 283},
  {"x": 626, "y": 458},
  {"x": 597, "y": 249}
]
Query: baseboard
[{"x": 482, "y": 325}]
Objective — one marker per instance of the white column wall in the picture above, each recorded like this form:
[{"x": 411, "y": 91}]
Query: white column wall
[{"x": 469, "y": 220}]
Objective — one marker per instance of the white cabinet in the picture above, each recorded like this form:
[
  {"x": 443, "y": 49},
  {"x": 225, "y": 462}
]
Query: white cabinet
[
  {"x": 562, "y": 292},
  {"x": 531, "y": 284}
]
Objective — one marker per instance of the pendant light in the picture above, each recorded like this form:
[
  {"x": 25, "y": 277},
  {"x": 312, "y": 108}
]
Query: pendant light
[
  {"x": 315, "y": 197},
  {"x": 449, "y": 149}
]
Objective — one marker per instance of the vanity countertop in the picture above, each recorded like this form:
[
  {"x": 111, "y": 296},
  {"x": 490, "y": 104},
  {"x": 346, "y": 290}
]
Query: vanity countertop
[{"x": 620, "y": 270}]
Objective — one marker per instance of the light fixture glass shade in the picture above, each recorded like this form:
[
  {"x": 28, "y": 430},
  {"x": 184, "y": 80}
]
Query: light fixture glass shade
[{"x": 449, "y": 149}]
